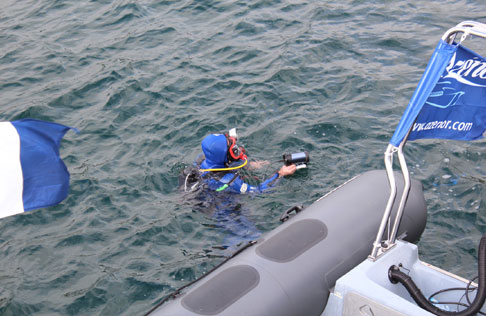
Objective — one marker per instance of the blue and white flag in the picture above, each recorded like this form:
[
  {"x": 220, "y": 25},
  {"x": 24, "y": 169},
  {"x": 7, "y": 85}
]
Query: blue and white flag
[
  {"x": 450, "y": 100},
  {"x": 32, "y": 175}
]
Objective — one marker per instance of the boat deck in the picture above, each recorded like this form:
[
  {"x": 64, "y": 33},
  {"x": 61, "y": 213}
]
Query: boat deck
[{"x": 366, "y": 289}]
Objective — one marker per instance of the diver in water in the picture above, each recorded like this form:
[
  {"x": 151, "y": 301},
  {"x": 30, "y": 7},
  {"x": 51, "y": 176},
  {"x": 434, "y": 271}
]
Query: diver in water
[
  {"x": 220, "y": 166},
  {"x": 219, "y": 171}
]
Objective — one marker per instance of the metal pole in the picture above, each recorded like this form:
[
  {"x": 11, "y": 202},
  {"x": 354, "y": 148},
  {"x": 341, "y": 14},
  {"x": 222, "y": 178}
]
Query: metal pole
[
  {"x": 393, "y": 192},
  {"x": 403, "y": 200}
]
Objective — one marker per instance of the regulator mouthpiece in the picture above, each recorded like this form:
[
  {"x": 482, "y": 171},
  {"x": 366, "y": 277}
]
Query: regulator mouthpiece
[{"x": 299, "y": 159}]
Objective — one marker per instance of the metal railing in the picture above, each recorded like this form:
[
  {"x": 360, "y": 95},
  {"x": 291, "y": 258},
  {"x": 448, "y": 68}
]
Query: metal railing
[{"x": 467, "y": 28}]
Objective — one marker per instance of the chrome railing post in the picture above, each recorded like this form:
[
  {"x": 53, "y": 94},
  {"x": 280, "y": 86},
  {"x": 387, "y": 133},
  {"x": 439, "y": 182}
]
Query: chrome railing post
[
  {"x": 393, "y": 192},
  {"x": 406, "y": 190}
]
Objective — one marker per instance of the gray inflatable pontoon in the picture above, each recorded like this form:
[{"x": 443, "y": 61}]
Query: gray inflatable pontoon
[{"x": 291, "y": 270}]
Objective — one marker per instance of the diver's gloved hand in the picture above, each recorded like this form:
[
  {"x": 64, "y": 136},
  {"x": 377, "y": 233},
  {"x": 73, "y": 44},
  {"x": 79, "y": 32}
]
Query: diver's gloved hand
[{"x": 287, "y": 170}]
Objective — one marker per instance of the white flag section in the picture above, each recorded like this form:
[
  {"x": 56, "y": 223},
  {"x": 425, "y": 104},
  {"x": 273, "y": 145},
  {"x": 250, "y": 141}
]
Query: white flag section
[
  {"x": 11, "y": 182},
  {"x": 32, "y": 174}
]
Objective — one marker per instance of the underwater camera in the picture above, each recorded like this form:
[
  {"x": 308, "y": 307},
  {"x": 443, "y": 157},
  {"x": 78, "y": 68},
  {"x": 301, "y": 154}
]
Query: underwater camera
[{"x": 299, "y": 159}]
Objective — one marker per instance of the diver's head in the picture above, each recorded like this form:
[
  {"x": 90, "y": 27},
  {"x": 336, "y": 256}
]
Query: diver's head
[
  {"x": 220, "y": 150},
  {"x": 215, "y": 150}
]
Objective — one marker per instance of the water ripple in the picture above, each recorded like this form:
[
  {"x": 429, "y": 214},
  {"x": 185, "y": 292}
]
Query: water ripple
[{"x": 145, "y": 81}]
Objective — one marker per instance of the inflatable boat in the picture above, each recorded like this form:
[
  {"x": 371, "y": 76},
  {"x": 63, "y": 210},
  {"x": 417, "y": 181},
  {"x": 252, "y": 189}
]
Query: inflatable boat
[
  {"x": 352, "y": 252},
  {"x": 291, "y": 270}
]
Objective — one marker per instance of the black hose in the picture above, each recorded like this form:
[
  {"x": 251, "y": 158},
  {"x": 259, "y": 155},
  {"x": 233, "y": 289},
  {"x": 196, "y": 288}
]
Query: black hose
[{"x": 395, "y": 275}]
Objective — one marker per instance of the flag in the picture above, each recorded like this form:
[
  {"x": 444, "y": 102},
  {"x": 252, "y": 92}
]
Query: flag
[
  {"x": 456, "y": 107},
  {"x": 438, "y": 62},
  {"x": 450, "y": 100},
  {"x": 32, "y": 174}
]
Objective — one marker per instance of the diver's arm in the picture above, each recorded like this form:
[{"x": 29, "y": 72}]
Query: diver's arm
[
  {"x": 239, "y": 186},
  {"x": 284, "y": 171},
  {"x": 267, "y": 184}
]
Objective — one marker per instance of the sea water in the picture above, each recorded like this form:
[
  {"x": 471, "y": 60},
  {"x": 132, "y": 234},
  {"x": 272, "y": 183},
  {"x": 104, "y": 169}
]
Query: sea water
[{"x": 145, "y": 81}]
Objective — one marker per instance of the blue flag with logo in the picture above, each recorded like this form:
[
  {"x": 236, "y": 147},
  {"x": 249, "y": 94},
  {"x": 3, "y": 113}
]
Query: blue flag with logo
[{"x": 450, "y": 100}]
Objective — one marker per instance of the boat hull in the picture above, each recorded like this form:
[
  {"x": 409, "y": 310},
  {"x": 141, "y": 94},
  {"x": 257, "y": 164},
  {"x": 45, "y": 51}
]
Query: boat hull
[{"x": 291, "y": 270}]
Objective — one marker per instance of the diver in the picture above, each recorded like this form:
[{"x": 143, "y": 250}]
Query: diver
[
  {"x": 221, "y": 163},
  {"x": 218, "y": 178}
]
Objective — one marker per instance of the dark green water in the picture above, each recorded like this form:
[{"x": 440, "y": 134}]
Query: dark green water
[{"x": 145, "y": 81}]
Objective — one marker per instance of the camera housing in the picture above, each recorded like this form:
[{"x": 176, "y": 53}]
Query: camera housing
[{"x": 299, "y": 159}]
